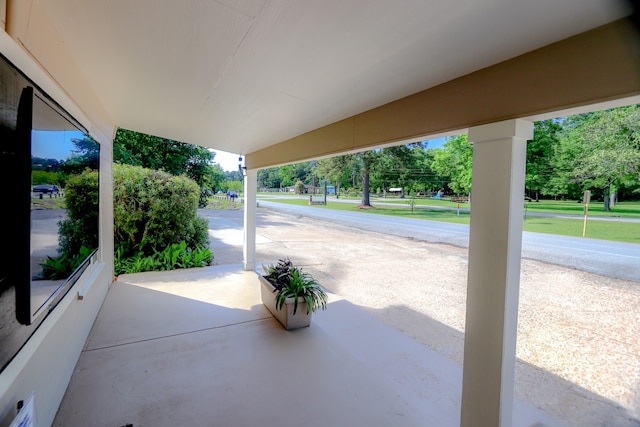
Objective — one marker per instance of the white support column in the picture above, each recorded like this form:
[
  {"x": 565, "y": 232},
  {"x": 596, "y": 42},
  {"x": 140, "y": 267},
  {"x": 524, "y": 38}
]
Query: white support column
[
  {"x": 250, "y": 190},
  {"x": 495, "y": 246}
]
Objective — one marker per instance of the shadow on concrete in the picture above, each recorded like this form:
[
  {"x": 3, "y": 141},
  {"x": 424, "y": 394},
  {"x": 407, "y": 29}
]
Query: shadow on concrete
[{"x": 562, "y": 399}]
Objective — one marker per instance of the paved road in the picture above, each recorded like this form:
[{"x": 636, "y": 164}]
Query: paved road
[
  {"x": 612, "y": 259},
  {"x": 386, "y": 202}
]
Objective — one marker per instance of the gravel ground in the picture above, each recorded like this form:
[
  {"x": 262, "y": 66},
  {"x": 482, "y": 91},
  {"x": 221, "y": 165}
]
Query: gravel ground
[{"x": 578, "y": 349}]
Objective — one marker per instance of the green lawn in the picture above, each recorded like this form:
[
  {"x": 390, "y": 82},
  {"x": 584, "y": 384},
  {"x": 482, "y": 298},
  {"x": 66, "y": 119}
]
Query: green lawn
[
  {"x": 571, "y": 207},
  {"x": 596, "y": 229},
  {"x": 603, "y": 230},
  {"x": 621, "y": 209}
]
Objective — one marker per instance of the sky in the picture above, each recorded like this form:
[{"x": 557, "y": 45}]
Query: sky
[
  {"x": 60, "y": 146},
  {"x": 229, "y": 161},
  {"x": 54, "y": 144}
]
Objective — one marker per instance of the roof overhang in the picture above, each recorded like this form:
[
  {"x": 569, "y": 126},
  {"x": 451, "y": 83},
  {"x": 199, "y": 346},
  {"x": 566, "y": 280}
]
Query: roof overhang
[{"x": 268, "y": 78}]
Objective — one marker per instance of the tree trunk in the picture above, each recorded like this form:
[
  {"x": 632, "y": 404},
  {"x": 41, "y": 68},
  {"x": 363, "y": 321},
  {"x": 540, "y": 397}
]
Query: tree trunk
[
  {"x": 607, "y": 207},
  {"x": 612, "y": 198},
  {"x": 365, "y": 189}
]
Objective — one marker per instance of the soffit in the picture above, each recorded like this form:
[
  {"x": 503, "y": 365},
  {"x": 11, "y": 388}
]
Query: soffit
[{"x": 242, "y": 75}]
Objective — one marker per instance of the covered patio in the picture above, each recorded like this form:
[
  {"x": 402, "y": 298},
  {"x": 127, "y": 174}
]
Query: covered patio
[
  {"x": 198, "y": 348},
  {"x": 280, "y": 82}
]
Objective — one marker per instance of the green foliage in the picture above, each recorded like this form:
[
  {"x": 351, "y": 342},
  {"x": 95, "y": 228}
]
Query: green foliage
[
  {"x": 454, "y": 161},
  {"x": 398, "y": 167},
  {"x": 269, "y": 178},
  {"x": 236, "y": 186},
  {"x": 539, "y": 153},
  {"x": 234, "y": 175},
  {"x": 174, "y": 256},
  {"x": 602, "y": 148},
  {"x": 174, "y": 157},
  {"x": 286, "y": 174},
  {"x": 216, "y": 179},
  {"x": 80, "y": 228},
  {"x": 45, "y": 165},
  {"x": 203, "y": 198},
  {"x": 61, "y": 267},
  {"x": 423, "y": 178},
  {"x": 78, "y": 177},
  {"x": 290, "y": 281},
  {"x": 301, "y": 284},
  {"x": 47, "y": 177},
  {"x": 86, "y": 155},
  {"x": 300, "y": 187},
  {"x": 290, "y": 174},
  {"x": 154, "y": 210}
]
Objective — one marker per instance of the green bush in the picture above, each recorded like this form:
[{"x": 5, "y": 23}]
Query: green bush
[
  {"x": 78, "y": 232},
  {"x": 80, "y": 228},
  {"x": 46, "y": 177},
  {"x": 154, "y": 210}
]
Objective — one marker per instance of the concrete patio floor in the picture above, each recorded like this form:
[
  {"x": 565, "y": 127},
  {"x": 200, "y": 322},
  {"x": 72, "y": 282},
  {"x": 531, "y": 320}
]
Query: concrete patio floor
[{"x": 196, "y": 347}]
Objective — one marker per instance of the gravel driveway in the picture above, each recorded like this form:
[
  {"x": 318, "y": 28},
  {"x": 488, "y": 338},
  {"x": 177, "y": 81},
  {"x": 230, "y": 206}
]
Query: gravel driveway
[{"x": 578, "y": 349}]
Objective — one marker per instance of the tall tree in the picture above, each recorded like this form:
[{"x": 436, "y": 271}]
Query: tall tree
[
  {"x": 216, "y": 178},
  {"x": 287, "y": 175},
  {"x": 361, "y": 162},
  {"x": 453, "y": 161},
  {"x": 337, "y": 169},
  {"x": 397, "y": 166},
  {"x": 269, "y": 178},
  {"x": 175, "y": 157},
  {"x": 234, "y": 175},
  {"x": 603, "y": 148},
  {"x": 366, "y": 160},
  {"x": 427, "y": 180},
  {"x": 539, "y": 154}
]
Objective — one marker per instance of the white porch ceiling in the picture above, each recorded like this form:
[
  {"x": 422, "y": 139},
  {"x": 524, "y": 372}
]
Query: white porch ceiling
[{"x": 241, "y": 75}]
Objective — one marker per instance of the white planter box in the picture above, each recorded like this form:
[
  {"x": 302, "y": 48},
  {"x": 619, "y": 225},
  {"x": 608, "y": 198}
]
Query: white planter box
[{"x": 285, "y": 316}]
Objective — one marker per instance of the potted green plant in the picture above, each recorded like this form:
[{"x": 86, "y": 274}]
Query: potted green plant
[{"x": 291, "y": 294}]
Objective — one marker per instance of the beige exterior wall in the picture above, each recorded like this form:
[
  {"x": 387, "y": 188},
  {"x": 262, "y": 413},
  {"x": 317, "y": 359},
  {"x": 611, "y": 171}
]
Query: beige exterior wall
[
  {"x": 593, "y": 67},
  {"x": 3, "y": 13},
  {"x": 44, "y": 365},
  {"x": 29, "y": 26}
]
